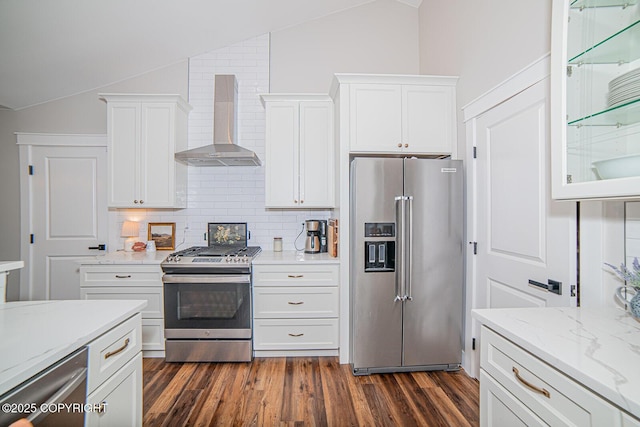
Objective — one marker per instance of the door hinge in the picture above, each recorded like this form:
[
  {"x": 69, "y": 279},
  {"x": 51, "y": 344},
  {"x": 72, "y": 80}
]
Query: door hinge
[
  {"x": 475, "y": 152},
  {"x": 573, "y": 290},
  {"x": 32, "y": 238},
  {"x": 30, "y": 169},
  {"x": 475, "y": 247},
  {"x": 473, "y": 343}
]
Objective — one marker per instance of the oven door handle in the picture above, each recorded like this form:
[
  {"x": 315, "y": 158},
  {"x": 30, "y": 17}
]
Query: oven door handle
[{"x": 205, "y": 278}]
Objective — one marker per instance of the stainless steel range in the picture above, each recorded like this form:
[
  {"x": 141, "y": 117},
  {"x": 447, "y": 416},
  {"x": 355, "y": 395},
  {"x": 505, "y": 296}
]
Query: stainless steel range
[{"x": 207, "y": 298}]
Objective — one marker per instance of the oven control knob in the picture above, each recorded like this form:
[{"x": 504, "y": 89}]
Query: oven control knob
[{"x": 177, "y": 258}]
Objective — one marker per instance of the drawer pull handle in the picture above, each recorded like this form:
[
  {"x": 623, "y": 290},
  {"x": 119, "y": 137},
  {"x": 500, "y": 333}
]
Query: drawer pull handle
[
  {"x": 296, "y": 335},
  {"x": 295, "y": 276},
  {"x": 295, "y": 303},
  {"x": 114, "y": 352},
  {"x": 542, "y": 391},
  {"x": 102, "y": 407},
  {"x": 123, "y": 276}
]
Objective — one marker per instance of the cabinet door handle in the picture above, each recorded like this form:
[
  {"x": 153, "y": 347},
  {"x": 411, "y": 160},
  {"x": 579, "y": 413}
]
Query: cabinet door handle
[
  {"x": 542, "y": 391},
  {"x": 295, "y": 303},
  {"x": 296, "y": 335},
  {"x": 102, "y": 407},
  {"x": 123, "y": 276},
  {"x": 135, "y": 201},
  {"x": 141, "y": 201},
  {"x": 295, "y": 276},
  {"x": 114, "y": 352},
  {"x": 406, "y": 145},
  {"x": 399, "y": 144}
]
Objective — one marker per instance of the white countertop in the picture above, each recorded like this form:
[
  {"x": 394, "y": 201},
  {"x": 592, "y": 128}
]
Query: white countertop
[
  {"x": 10, "y": 265},
  {"x": 598, "y": 347},
  {"x": 292, "y": 257},
  {"x": 36, "y": 334},
  {"x": 122, "y": 257}
]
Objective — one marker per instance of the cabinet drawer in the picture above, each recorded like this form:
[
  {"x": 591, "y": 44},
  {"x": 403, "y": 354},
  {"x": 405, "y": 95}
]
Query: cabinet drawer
[
  {"x": 295, "y": 275},
  {"x": 113, "y": 350},
  {"x": 120, "y": 275},
  {"x": 153, "y": 334},
  {"x": 501, "y": 408},
  {"x": 288, "y": 302},
  {"x": 121, "y": 394},
  {"x": 153, "y": 296},
  {"x": 295, "y": 334},
  {"x": 566, "y": 403}
]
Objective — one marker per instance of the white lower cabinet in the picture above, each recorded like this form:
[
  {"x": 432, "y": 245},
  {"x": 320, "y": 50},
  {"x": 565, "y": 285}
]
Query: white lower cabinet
[
  {"x": 114, "y": 378},
  {"x": 127, "y": 282},
  {"x": 517, "y": 388},
  {"x": 295, "y": 309},
  {"x": 119, "y": 398}
]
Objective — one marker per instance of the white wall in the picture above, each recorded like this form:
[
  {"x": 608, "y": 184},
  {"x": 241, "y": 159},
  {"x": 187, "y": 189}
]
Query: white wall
[
  {"x": 380, "y": 37},
  {"x": 632, "y": 232},
  {"x": 482, "y": 41}
]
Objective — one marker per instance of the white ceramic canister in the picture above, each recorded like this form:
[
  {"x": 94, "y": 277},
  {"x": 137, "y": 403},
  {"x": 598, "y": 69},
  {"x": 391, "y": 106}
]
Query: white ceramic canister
[{"x": 277, "y": 244}]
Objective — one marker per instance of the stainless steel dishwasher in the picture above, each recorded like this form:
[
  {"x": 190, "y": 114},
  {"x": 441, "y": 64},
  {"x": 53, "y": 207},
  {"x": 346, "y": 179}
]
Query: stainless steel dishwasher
[{"x": 54, "y": 397}]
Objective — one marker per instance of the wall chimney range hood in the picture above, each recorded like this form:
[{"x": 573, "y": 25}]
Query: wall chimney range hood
[{"x": 223, "y": 151}]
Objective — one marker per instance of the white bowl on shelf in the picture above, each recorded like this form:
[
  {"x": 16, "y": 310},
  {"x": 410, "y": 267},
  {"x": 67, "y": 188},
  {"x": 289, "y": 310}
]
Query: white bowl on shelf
[{"x": 618, "y": 167}]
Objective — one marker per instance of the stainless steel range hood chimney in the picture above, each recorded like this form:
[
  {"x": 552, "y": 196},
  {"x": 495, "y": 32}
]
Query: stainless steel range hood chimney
[{"x": 223, "y": 151}]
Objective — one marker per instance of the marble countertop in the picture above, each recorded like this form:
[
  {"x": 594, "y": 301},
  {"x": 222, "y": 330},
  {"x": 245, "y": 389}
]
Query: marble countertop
[
  {"x": 597, "y": 347},
  {"x": 36, "y": 334},
  {"x": 292, "y": 257},
  {"x": 122, "y": 257},
  {"x": 10, "y": 265}
]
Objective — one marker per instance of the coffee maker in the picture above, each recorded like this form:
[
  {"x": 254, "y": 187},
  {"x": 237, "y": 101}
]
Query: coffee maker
[
  {"x": 312, "y": 243},
  {"x": 316, "y": 241}
]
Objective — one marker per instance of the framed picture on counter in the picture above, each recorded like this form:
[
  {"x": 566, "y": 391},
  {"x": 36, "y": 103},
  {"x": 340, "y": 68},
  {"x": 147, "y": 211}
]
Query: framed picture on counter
[{"x": 164, "y": 234}]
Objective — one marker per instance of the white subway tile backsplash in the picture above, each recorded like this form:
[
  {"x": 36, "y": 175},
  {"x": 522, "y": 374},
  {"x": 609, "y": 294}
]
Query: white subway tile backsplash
[{"x": 232, "y": 194}]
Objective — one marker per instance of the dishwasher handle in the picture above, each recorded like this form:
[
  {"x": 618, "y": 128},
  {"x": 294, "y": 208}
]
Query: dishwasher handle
[{"x": 60, "y": 395}]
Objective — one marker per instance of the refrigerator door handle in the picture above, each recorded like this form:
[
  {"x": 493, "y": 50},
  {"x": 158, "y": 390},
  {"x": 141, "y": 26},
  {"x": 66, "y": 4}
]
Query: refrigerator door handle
[
  {"x": 400, "y": 273},
  {"x": 409, "y": 265}
]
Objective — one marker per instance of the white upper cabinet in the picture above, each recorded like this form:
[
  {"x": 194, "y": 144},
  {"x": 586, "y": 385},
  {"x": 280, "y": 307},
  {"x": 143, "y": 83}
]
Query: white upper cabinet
[
  {"x": 144, "y": 132},
  {"x": 595, "y": 99},
  {"x": 401, "y": 114},
  {"x": 299, "y": 171}
]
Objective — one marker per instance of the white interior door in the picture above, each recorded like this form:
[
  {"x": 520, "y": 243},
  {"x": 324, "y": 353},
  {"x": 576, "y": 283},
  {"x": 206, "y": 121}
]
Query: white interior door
[
  {"x": 66, "y": 215},
  {"x": 521, "y": 233}
]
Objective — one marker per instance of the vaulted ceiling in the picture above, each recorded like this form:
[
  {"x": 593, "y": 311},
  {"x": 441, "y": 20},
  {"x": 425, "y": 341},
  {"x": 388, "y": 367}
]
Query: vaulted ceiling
[{"x": 54, "y": 49}]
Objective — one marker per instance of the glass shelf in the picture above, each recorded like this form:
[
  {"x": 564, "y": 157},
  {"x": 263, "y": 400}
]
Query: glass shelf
[
  {"x": 621, "y": 115},
  {"x": 625, "y": 49},
  {"x": 577, "y": 4}
]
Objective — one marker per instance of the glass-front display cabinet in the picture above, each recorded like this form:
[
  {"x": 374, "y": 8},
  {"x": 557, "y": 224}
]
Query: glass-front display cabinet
[{"x": 595, "y": 99}]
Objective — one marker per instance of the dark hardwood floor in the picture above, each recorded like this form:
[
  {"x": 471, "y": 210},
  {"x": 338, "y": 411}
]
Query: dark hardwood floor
[{"x": 303, "y": 391}]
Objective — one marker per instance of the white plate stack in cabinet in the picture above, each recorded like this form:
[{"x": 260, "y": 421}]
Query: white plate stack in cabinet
[
  {"x": 595, "y": 99},
  {"x": 299, "y": 162},
  {"x": 295, "y": 309},
  {"x": 130, "y": 282},
  {"x": 143, "y": 134}
]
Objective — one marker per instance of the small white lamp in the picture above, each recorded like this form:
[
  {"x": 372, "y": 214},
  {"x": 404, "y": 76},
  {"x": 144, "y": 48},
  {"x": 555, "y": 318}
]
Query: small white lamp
[{"x": 130, "y": 230}]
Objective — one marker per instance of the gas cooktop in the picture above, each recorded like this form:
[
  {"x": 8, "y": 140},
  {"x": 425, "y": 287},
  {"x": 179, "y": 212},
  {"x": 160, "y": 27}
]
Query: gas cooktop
[
  {"x": 218, "y": 251},
  {"x": 211, "y": 260}
]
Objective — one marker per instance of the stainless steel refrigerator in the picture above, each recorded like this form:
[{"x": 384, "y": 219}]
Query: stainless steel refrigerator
[{"x": 406, "y": 249}]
